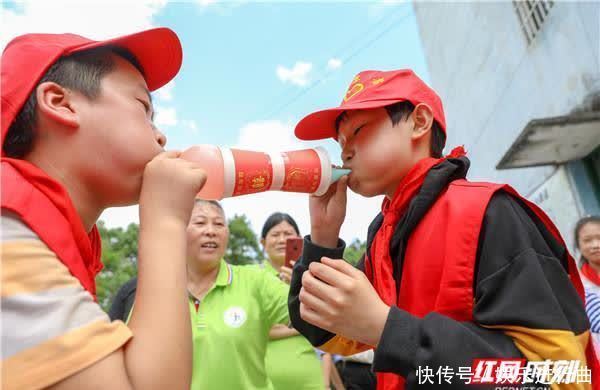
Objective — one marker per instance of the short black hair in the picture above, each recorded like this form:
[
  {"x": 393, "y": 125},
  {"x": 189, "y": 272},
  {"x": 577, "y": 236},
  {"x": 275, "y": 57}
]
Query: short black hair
[
  {"x": 401, "y": 111},
  {"x": 274, "y": 220},
  {"x": 82, "y": 72}
]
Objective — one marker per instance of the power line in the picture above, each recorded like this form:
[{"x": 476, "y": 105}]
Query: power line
[
  {"x": 287, "y": 91},
  {"x": 345, "y": 60}
]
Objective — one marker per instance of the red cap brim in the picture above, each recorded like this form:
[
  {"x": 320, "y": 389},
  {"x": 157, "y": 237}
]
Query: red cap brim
[
  {"x": 157, "y": 50},
  {"x": 321, "y": 124}
]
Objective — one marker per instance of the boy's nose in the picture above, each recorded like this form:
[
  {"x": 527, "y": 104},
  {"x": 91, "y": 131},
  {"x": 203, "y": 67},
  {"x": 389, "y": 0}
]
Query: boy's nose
[
  {"x": 347, "y": 154},
  {"x": 161, "y": 138}
]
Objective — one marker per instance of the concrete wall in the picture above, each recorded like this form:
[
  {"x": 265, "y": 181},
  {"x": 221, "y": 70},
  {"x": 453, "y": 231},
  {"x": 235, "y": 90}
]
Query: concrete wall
[{"x": 493, "y": 83}]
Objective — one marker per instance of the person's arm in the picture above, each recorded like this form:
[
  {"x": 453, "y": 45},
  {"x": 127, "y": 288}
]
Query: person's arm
[
  {"x": 160, "y": 354},
  {"x": 327, "y": 365},
  {"x": 280, "y": 331},
  {"x": 336, "y": 379}
]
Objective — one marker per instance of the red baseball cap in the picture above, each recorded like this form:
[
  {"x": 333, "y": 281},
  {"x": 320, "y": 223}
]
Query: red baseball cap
[
  {"x": 373, "y": 89},
  {"x": 28, "y": 57}
]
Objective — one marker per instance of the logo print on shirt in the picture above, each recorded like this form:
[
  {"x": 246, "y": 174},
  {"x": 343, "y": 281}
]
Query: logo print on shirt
[{"x": 234, "y": 317}]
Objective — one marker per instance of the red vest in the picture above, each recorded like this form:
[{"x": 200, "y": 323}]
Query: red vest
[
  {"x": 44, "y": 205},
  {"x": 448, "y": 236}
]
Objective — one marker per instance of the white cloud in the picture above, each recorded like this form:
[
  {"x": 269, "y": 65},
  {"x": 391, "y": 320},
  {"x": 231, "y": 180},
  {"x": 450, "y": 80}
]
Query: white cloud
[
  {"x": 84, "y": 18},
  {"x": 120, "y": 216},
  {"x": 165, "y": 116},
  {"x": 334, "y": 63},
  {"x": 190, "y": 126},
  {"x": 165, "y": 93},
  {"x": 268, "y": 136},
  {"x": 297, "y": 75}
]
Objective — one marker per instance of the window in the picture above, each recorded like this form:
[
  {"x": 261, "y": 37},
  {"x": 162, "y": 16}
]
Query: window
[{"x": 532, "y": 14}]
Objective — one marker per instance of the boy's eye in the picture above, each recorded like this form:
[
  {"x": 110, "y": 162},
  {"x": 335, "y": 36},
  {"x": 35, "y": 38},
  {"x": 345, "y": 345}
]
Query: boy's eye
[
  {"x": 358, "y": 130},
  {"x": 146, "y": 105}
]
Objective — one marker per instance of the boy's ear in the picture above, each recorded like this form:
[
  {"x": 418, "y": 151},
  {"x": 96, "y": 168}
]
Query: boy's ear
[
  {"x": 422, "y": 117},
  {"x": 262, "y": 242},
  {"x": 56, "y": 103}
]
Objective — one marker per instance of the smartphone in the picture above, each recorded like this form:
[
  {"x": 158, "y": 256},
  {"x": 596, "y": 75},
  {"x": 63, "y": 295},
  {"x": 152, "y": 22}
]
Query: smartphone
[{"x": 293, "y": 250}]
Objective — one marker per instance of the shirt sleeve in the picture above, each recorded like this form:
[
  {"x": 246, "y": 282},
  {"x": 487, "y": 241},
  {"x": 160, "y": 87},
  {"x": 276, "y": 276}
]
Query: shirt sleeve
[
  {"x": 51, "y": 327},
  {"x": 592, "y": 307},
  {"x": 273, "y": 299}
]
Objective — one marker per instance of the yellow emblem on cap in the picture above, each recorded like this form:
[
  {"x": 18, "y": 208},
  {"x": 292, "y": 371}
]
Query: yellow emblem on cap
[
  {"x": 353, "y": 91},
  {"x": 377, "y": 81}
]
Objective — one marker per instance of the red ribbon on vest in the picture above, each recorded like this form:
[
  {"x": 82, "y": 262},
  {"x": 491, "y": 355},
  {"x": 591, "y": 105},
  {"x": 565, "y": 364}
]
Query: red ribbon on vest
[
  {"x": 44, "y": 205},
  {"x": 379, "y": 268}
]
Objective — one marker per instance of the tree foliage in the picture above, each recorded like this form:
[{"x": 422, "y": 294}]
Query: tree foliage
[
  {"x": 243, "y": 247},
  {"x": 354, "y": 251},
  {"x": 119, "y": 255}
]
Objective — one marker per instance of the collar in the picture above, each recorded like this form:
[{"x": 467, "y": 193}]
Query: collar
[{"x": 225, "y": 275}]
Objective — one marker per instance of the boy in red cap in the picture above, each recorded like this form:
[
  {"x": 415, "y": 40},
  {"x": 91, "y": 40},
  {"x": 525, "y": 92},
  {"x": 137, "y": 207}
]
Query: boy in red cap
[
  {"x": 78, "y": 137},
  {"x": 454, "y": 270}
]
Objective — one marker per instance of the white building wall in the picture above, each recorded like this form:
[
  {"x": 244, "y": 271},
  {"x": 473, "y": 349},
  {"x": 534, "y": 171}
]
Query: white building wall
[{"x": 493, "y": 83}]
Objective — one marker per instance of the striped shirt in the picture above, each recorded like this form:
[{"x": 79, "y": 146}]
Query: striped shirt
[
  {"x": 51, "y": 327},
  {"x": 592, "y": 307}
]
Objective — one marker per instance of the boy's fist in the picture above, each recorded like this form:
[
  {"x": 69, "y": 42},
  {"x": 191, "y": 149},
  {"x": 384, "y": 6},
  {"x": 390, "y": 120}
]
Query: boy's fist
[
  {"x": 169, "y": 187},
  {"x": 327, "y": 213}
]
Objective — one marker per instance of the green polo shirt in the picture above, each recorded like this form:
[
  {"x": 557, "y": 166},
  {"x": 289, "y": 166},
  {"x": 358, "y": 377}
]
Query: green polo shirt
[
  {"x": 231, "y": 328},
  {"x": 292, "y": 363}
]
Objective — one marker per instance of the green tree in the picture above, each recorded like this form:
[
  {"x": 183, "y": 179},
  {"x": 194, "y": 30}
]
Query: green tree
[
  {"x": 119, "y": 255},
  {"x": 243, "y": 245},
  {"x": 354, "y": 251}
]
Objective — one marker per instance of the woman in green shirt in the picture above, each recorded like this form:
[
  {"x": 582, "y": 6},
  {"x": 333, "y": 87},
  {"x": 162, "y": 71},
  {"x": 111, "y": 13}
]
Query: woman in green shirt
[
  {"x": 292, "y": 363},
  {"x": 232, "y": 308}
]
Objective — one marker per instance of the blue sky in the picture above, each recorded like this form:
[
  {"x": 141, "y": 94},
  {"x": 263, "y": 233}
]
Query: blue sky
[
  {"x": 231, "y": 54},
  {"x": 251, "y": 71}
]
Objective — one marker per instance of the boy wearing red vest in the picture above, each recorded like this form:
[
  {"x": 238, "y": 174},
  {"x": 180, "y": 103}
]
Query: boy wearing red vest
[
  {"x": 77, "y": 138},
  {"x": 454, "y": 270}
]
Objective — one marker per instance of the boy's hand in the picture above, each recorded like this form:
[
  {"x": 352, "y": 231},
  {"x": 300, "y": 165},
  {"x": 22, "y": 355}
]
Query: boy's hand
[
  {"x": 339, "y": 298},
  {"x": 327, "y": 213},
  {"x": 169, "y": 187}
]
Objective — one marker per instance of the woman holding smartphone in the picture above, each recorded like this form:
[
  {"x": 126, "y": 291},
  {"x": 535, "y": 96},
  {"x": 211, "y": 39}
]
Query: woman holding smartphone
[{"x": 291, "y": 361}]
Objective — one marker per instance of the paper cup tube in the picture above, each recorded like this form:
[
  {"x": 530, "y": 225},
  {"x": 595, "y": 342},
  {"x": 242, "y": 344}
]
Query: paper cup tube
[
  {"x": 253, "y": 172},
  {"x": 302, "y": 171}
]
